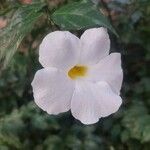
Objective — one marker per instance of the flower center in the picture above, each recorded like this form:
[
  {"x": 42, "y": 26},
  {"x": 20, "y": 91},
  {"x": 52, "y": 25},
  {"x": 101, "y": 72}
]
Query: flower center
[{"x": 77, "y": 71}]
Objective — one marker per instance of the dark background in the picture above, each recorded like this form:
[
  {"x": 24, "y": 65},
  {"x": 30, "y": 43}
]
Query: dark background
[{"x": 23, "y": 126}]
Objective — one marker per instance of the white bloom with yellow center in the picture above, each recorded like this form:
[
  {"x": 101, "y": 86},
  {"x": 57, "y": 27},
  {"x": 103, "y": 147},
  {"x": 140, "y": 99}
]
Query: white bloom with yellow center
[{"x": 78, "y": 75}]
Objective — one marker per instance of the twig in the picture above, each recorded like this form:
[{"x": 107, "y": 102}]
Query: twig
[{"x": 107, "y": 9}]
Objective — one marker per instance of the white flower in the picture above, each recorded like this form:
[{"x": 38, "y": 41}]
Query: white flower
[{"x": 78, "y": 74}]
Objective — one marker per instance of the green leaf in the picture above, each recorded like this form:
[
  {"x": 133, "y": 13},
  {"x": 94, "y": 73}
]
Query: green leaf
[
  {"x": 80, "y": 15},
  {"x": 137, "y": 123},
  {"x": 20, "y": 24},
  {"x": 9, "y": 141}
]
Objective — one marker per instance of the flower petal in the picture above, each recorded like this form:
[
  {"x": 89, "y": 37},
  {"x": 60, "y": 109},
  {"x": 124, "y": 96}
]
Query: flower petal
[
  {"x": 59, "y": 49},
  {"x": 84, "y": 105},
  {"x": 91, "y": 101},
  {"x": 95, "y": 45},
  {"x": 109, "y": 70},
  {"x": 109, "y": 101},
  {"x": 52, "y": 90}
]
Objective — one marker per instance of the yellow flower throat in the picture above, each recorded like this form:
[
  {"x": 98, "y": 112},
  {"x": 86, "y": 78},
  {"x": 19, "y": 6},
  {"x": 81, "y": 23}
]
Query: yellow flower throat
[{"x": 77, "y": 71}]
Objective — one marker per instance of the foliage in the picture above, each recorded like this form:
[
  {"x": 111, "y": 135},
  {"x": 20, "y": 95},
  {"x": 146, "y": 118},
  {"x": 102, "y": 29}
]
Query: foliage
[
  {"x": 24, "y": 126},
  {"x": 80, "y": 15},
  {"x": 21, "y": 23}
]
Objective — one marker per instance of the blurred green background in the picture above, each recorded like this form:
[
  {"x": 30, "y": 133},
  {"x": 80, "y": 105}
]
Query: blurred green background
[{"x": 23, "y": 126}]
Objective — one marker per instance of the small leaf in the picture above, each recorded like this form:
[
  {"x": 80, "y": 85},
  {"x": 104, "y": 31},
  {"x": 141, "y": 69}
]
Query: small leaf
[
  {"x": 20, "y": 24},
  {"x": 80, "y": 15},
  {"x": 136, "y": 122}
]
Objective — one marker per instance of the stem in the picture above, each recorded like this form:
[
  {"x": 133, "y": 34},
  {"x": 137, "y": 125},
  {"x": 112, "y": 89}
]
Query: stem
[{"x": 107, "y": 9}]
